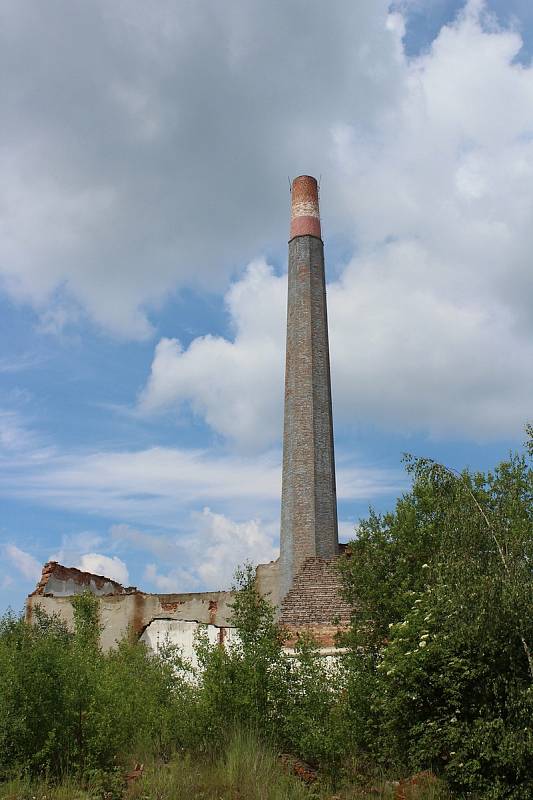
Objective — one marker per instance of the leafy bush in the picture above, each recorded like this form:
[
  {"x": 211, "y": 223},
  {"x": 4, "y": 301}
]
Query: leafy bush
[
  {"x": 312, "y": 716},
  {"x": 67, "y": 707},
  {"x": 237, "y": 683},
  {"x": 295, "y": 701},
  {"x": 448, "y": 673}
]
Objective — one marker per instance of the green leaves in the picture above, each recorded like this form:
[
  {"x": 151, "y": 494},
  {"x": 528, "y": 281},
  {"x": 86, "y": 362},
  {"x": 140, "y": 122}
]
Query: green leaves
[
  {"x": 67, "y": 707},
  {"x": 444, "y": 590}
]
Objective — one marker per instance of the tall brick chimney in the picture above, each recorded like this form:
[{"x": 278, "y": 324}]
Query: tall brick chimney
[{"x": 308, "y": 498}]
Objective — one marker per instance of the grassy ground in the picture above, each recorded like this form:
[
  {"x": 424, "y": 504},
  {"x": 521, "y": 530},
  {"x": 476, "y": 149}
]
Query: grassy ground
[{"x": 245, "y": 771}]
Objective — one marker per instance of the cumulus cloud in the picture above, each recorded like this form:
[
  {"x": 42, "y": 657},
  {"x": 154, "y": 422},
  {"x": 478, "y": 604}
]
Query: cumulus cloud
[
  {"x": 207, "y": 556},
  {"x": 110, "y": 566},
  {"x": 174, "y": 580},
  {"x": 74, "y": 545},
  {"x": 30, "y": 568},
  {"x": 430, "y": 322},
  {"x": 124, "y": 178},
  {"x": 146, "y": 146},
  {"x": 408, "y": 357},
  {"x": 236, "y": 386},
  {"x": 26, "y": 564},
  {"x": 226, "y": 544}
]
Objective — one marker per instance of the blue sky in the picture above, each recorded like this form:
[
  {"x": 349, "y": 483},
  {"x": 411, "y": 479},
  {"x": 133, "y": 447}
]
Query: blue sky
[{"x": 144, "y": 203}]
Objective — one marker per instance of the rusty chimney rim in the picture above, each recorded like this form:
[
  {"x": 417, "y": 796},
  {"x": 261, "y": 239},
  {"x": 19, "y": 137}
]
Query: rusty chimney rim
[{"x": 305, "y": 213}]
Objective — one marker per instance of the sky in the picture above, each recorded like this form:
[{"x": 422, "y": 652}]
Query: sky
[{"x": 145, "y": 157}]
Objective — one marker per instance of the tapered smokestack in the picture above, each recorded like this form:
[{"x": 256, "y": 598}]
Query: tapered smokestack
[
  {"x": 305, "y": 215},
  {"x": 308, "y": 499}
]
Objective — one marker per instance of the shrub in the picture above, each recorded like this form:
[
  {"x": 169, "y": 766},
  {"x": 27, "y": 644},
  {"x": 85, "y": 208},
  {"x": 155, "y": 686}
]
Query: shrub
[
  {"x": 238, "y": 685},
  {"x": 67, "y": 707},
  {"x": 450, "y": 682}
]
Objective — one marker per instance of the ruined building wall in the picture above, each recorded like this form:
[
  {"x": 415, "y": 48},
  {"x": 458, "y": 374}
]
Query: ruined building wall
[
  {"x": 176, "y": 618},
  {"x": 127, "y": 612}
]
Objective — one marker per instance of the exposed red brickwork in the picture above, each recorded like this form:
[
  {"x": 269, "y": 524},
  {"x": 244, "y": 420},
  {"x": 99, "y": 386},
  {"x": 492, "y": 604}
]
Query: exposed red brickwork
[
  {"x": 325, "y": 636},
  {"x": 295, "y": 766},
  {"x": 416, "y": 787},
  {"x": 171, "y": 607},
  {"x": 316, "y": 598},
  {"x": 213, "y": 608},
  {"x": 305, "y": 215},
  {"x": 61, "y": 573}
]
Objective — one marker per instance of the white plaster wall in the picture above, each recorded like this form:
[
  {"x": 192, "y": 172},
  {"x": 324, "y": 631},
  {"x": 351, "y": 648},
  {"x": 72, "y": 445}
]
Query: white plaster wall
[{"x": 181, "y": 633}]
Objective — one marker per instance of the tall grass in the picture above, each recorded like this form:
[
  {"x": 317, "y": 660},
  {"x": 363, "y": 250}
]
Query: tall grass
[
  {"x": 25, "y": 789},
  {"x": 246, "y": 768}
]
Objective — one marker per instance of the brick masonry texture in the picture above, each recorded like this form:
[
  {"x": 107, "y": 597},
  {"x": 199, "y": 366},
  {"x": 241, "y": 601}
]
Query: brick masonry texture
[
  {"x": 308, "y": 503},
  {"x": 305, "y": 214},
  {"x": 315, "y": 597}
]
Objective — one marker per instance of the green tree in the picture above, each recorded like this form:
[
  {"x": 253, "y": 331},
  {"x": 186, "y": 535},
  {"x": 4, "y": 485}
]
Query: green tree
[
  {"x": 448, "y": 678},
  {"x": 313, "y": 722},
  {"x": 238, "y": 682},
  {"x": 34, "y": 674}
]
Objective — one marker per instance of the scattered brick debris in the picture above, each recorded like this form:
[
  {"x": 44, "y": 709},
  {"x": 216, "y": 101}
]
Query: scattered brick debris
[
  {"x": 295, "y": 766},
  {"x": 135, "y": 774},
  {"x": 414, "y": 787}
]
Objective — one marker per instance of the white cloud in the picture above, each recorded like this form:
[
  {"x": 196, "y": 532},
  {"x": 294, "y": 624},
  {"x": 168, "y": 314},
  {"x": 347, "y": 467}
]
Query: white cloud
[
  {"x": 26, "y": 564},
  {"x": 430, "y": 323},
  {"x": 161, "y": 159},
  {"x": 427, "y": 167},
  {"x": 173, "y": 580},
  {"x": 236, "y": 386},
  {"x": 406, "y": 356},
  {"x": 110, "y": 566},
  {"x": 223, "y": 544},
  {"x": 204, "y": 557},
  {"x": 14, "y": 434},
  {"x": 159, "y": 485},
  {"x": 151, "y": 486},
  {"x": 74, "y": 545}
]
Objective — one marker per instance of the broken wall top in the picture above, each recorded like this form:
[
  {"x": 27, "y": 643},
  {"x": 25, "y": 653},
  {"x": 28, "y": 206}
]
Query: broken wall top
[{"x": 60, "y": 581}]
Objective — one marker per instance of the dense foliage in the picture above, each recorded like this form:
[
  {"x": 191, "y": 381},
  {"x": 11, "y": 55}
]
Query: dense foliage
[
  {"x": 65, "y": 706},
  {"x": 437, "y": 672},
  {"x": 441, "y": 638}
]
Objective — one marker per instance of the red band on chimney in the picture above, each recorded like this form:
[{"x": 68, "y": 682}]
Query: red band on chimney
[{"x": 305, "y": 214}]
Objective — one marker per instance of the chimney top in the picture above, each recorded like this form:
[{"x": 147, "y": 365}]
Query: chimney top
[{"x": 305, "y": 215}]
